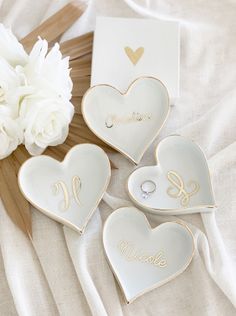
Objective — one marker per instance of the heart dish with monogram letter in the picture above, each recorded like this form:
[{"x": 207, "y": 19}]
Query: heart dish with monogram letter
[
  {"x": 179, "y": 183},
  {"x": 128, "y": 122},
  {"x": 143, "y": 258},
  {"x": 67, "y": 191}
]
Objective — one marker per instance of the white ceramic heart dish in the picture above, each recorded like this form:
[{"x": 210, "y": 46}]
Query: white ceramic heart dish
[
  {"x": 180, "y": 181},
  {"x": 128, "y": 122},
  {"x": 69, "y": 191},
  {"x": 143, "y": 258}
]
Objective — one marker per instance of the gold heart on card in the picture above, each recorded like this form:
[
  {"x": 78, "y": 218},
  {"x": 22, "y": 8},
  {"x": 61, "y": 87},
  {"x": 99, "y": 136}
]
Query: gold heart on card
[{"x": 134, "y": 56}]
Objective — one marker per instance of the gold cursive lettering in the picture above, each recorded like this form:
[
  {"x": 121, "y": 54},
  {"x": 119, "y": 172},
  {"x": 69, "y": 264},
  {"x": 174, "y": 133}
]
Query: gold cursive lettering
[
  {"x": 64, "y": 205},
  {"x": 130, "y": 253},
  {"x": 2, "y": 98},
  {"x": 112, "y": 119},
  {"x": 178, "y": 189},
  {"x": 76, "y": 188}
]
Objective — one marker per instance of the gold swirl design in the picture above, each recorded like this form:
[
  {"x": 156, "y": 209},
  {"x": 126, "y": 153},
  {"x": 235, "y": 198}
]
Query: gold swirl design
[{"x": 178, "y": 189}]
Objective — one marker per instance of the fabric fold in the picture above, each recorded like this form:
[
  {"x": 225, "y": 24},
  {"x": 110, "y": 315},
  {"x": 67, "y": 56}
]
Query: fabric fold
[
  {"x": 26, "y": 280},
  {"x": 51, "y": 249},
  {"x": 82, "y": 249}
]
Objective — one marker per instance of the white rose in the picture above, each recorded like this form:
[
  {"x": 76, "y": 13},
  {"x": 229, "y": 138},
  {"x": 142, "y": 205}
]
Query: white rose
[
  {"x": 48, "y": 71},
  {"x": 35, "y": 91},
  {"x": 45, "y": 122},
  {"x": 10, "y": 133},
  {"x": 13, "y": 87}
]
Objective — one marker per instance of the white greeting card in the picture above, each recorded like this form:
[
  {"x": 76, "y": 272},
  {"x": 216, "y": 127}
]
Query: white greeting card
[{"x": 125, "y": 49}]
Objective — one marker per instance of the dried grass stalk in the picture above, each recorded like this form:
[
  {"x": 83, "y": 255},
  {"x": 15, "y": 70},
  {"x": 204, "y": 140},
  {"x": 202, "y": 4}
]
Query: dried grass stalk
[
  {"x": 78, "y": 46},
  {"x": 80, "y": 51}
]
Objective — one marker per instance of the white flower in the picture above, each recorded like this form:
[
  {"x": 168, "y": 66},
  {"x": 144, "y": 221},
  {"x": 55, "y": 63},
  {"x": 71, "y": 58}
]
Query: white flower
[
  {"x": 48, "y": 71},
  {"x": 10, "y": 133},
  {"x": 10, "y": 49},
  {"x": 35, "y": 91},
  {"x": 13, "y": 87},
  {"x": 45, "y": 122}
]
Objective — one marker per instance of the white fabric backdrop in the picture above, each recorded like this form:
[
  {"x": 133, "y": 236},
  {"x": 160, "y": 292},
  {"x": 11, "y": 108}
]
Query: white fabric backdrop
[{"x": 60, "y": 273}]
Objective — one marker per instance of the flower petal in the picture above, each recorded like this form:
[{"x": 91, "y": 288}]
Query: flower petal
[
  {"x": 11, "y": 134},
  {"x": 10, "y": 48}
]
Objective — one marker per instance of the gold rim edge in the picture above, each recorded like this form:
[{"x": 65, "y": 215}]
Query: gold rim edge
[
  {"x": 59, "y": 219},
  {"x": 180, "y": 222},
  {"x": 174, "y": 210},
  {"x": 125, "y": 93}
]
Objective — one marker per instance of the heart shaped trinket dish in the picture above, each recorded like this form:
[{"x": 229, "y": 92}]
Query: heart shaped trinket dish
[
  {"x": 69, "y": 191},
  {"x": 178, "y": 184},
  {"x": 128, "y": 122},
  {"x": 143, "y": 258}
]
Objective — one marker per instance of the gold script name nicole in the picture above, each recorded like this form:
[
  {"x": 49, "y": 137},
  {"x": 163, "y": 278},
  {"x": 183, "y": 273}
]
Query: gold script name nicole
[
  {"x": 113, "y": 119},
  {"x": 131, "y": 253}
]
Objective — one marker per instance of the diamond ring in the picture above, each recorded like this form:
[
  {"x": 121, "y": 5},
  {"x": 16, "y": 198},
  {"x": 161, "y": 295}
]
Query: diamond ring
[{"x": 147, "y": 188}]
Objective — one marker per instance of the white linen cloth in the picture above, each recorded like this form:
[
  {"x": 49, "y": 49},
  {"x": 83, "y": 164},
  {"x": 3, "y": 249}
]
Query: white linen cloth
[{"x": 60, "y": 273}]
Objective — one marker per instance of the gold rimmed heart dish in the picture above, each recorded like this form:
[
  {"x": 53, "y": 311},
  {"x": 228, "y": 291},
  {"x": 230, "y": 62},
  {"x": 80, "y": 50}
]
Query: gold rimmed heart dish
[
  {"x": 128, "y": 122},
  {"x": 178, "y": 184},
  {"x": 69, "y": 191},
  {"x": 144, "y": 258}
]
